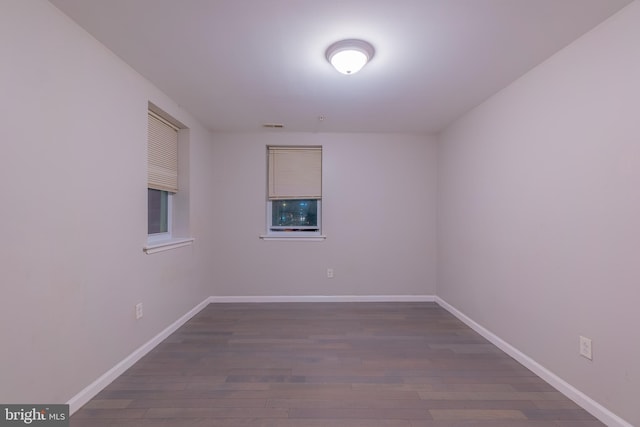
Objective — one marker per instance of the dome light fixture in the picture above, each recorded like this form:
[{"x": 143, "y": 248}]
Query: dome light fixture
[{"x": 349, "y": 56}]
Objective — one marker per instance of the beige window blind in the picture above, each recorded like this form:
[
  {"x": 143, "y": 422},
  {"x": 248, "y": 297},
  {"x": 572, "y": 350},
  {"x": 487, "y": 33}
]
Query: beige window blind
[
  {"x": 295, "y": 172},
  {"x": 162, "y": 155}
]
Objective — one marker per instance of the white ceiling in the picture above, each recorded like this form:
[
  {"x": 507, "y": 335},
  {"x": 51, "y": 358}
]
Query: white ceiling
[{"x": 236, "y": 64}]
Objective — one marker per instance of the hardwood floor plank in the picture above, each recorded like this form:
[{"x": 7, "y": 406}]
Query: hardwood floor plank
[
  {"x": 477, "y": 414},
  {"x": 198, "y": 403},
  {"x": 484, "y": 423},
  {"x": 214, "y": 413},
  {"x": 491, "y": 395},
  {"x": 559, "y": 414},
  {"x": 358, "y": 413},
  {"x": 109, "y": 413},
  {"x": 108, "y": 404}
]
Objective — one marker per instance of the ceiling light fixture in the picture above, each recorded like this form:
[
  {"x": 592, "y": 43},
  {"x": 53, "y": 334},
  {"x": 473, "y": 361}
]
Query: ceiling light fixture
[{"x": 349, "y": 56}]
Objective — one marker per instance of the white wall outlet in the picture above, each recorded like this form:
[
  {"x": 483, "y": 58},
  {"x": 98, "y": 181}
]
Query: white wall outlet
[
  {"x": 330, "y": 273},
  {"x": 585, "y": 348},
  {"x": 139, "y": 312}
]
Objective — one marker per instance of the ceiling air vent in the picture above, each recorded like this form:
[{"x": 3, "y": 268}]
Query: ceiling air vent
[{"x": 273, "y": 125}]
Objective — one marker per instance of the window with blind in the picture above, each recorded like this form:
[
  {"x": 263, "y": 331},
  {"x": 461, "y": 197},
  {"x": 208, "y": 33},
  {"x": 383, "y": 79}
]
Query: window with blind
[
  {"x": 294, "y": 191},
  {"x": 162, "y": 178}
]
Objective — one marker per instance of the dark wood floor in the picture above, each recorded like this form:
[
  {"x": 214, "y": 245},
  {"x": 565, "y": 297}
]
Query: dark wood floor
[{"x": 328, "y": 365}]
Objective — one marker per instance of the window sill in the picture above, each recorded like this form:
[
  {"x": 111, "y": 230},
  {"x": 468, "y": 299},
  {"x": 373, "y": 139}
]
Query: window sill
[
  {"x": 294, "y": 238},
  {"x": 155, "y": 247}
]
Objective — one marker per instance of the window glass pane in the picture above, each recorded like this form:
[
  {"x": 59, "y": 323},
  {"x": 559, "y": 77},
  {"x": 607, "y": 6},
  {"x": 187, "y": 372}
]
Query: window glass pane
[
  {"x": 158, "y": 211},
  {"x": 294, "y": 213}
]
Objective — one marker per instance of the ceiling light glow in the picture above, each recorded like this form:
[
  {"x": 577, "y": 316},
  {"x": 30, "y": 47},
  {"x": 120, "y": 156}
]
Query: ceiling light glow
[{"x": 349, "y": 56}]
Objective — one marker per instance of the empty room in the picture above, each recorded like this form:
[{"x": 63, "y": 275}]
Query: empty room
[{"x": 320, "y": 213}]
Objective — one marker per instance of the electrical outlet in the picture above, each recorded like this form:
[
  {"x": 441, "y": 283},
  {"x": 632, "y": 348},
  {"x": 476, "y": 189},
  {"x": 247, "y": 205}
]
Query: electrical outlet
[
  {"x": 139, "y": 312},
  {"x": 330, "y": 273},
  {"x": 585, "y": 348}
]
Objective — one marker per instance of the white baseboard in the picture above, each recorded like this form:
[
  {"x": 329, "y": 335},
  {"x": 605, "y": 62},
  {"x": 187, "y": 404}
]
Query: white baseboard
[
  {"x": 590, "y": 405},
  {"x": 80, "y": 399},
  {"x": 325, "y": 298}
]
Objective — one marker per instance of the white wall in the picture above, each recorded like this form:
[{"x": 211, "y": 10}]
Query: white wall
[
  {"x": 378, "y": 215},
  {"x": 539, "y": 213},
  {"x": 73, "y": 127}
]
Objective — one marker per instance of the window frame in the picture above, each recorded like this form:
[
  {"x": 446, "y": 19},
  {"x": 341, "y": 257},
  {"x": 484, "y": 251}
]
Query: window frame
[
  {"x": 178, "y": 230},
  {"x": 296, "y": 194}
]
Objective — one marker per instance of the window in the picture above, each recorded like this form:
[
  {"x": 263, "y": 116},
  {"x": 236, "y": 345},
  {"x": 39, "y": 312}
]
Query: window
[
  {"x": 162, "y": 176},
  {"x": 294, "y": 195}
]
